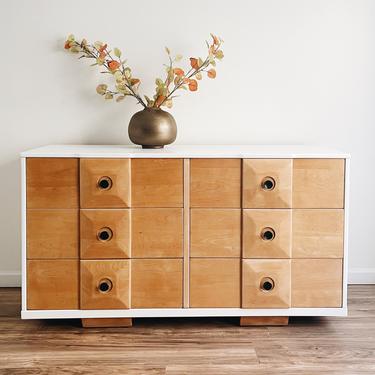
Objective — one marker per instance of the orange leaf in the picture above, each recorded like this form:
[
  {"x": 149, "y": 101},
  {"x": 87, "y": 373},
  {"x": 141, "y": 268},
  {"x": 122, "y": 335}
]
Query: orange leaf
[
  {"x": 113, "y": 65},
  {"x": 194, "y": 63},
  {"x": 211, "y": 73},
  {"x": 215, "y": 39},
  {"x": 134, "y": 81},
  {"x": 67, "y": 44},
  {"x": 102, "y": 48},
  {"x": 102, "y": 55},
  {"x": 178, "y": 71},
  {"x": 159, "y": 100},
  {"x": 193, "y": 85}
]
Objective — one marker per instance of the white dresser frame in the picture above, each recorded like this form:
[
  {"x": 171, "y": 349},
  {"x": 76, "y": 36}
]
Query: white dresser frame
[{"x": 183, "y": 152}]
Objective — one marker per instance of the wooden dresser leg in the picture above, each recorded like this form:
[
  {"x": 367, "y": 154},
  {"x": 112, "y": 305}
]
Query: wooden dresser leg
[
  {"x": 264, "y": 321},
  {"x": 106, "y": 322}
]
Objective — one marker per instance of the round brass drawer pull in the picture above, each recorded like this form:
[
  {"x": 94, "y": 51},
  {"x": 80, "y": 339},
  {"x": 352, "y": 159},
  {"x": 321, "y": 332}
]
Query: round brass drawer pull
[
  {"x": 267, "y": 234},
  {"x": 268, "y": 183},
  {"x": 104, "y": 183},
  {"x": 267, "y": 284},
  {"x": 105, "y": 285},
  {"x": 105, "y": 234}
]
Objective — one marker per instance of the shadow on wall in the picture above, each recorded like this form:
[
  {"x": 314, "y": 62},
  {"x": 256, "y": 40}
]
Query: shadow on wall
[{"x": 10, "y": 221}]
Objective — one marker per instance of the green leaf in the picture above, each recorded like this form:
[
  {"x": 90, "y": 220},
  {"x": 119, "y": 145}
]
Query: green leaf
[
  {"x": 101, "y": 89},
  {"x": 117, "y": 52},
  {"x": 178, "y": 57},
  {"x": 168, "y": 103},
  {"x": 120, "y": 98},
  {"x": 159, "y": 82},
  {"x": 219, "y": 54},
  {"x": 127, "y": 73},
  {"x": 119, "y": 77}
]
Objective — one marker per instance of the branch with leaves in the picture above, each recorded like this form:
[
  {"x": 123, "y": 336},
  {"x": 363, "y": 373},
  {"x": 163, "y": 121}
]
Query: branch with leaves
[{"x": 127, "y": 85}]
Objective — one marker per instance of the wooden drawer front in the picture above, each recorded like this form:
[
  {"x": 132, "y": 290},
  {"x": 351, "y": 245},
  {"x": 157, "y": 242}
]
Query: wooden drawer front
[
  {"x": 318, "y": 233},
  {"x": 316, "y": 283},
  {"x": 267, "y": 183},
  {"x": 215, "y": 282},
  {"x": 52, "y": 284},
  {"x": 105, "y": 284},
  {"x": 265, "y": 283},
  {"x": 318, "y": 183},
  {"x": 215, "y": 232},
  {"x": 156, "y": 283},
  {"x": 105, "y": 183},
  {"x": 267, "y": 233},
  {"x": 52, "y": 183},
  {"x": 215, "y": 183},
  {"x": 52, "y": 234},
  {"x": 157, "y": 182},
  {"x": 157, "y": 232},
  {"x": 105, "y": 234}
]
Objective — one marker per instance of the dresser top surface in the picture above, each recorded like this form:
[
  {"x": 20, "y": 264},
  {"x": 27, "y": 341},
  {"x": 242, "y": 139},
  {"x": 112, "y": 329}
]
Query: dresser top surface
[{"x": 185, "y": 151}]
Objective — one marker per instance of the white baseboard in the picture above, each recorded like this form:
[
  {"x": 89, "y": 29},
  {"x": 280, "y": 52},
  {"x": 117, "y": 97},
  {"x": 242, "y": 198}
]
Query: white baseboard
[
  {"x": 356, "y": 276},
  {"x": 10, "y": 279},
  {"x": 362, "y": 276}
]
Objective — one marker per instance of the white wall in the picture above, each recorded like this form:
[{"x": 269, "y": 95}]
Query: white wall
[{"x": 294, "y": 72}]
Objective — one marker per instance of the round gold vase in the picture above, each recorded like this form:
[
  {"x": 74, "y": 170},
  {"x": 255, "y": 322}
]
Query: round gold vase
[{"x": 152, "y": 128}]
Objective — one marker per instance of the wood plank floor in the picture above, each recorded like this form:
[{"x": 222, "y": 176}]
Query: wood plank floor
[{"x": 191, "y": 346}]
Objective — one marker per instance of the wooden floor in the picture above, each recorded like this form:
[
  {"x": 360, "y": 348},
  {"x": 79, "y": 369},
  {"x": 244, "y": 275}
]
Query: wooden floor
[{"x": 191, "y": 346}]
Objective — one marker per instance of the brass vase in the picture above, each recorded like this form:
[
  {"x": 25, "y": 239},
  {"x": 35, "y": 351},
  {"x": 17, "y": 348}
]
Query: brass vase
[{"x": 152, "y": 128}]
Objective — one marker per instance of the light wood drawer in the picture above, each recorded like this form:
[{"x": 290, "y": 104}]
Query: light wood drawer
[
  {"x": 157, "y": 182},
  {"x": 105, "y": 284},
  {"x": 267, "y": 183},
  {"x": 52, "y": 234},
  {"x": 52, "y": 183},
  {"x": 267, "y": 233},
  {"x": 157, "y": 232},
  {"x": 215, "y": 183},
  {"x": 318, "y": 233},
  {"x": 215, "y": 282},
  {"x": 318, "y": 183},
  {"x": 265, "y": 283},
  {"x": 105, "y": 234},
  {"x": 52, "y": 284},
  {"x": 156, "y": 283},
  {"x": 316, "y": 283},
  {"x": 105, "y": 183},
  {"x": 215, "y": 232}
]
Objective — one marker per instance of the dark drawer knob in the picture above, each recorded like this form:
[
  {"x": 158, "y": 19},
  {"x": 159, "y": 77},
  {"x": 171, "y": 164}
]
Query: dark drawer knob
[
  {"x": 105, "y": 234},
  {"x": 104, "y": 183},
  {"x": 268, "y": 183},
  {"x": 267, "y": 284},
  {"x": 267, "y": 234},
  {"x": 105, "y": 285}
]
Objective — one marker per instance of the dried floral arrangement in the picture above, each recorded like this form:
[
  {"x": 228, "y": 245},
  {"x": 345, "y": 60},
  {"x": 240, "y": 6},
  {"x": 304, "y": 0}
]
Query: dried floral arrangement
[{"x": 127, "y": 85}]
